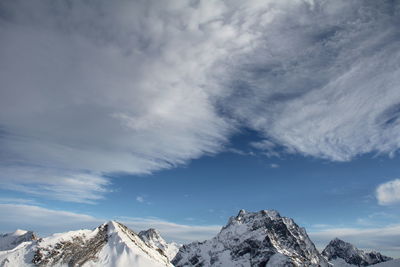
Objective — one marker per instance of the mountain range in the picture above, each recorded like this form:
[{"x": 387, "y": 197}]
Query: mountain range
[{"x": 263, "y": 238}]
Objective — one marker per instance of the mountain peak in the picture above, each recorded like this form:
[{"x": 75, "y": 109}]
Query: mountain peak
[
  {"x": 255, "y": 239},
  {"x": 19, "y": 232},
  {"x": 12, "y": 240},
  {"x": 150, "y": 233},
  {"x": 153, "y": 239},
  {"x": 338, "y": 248}
]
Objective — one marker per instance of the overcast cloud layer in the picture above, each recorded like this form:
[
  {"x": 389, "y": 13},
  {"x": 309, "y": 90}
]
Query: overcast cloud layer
[{"x": 94, "y": 87}]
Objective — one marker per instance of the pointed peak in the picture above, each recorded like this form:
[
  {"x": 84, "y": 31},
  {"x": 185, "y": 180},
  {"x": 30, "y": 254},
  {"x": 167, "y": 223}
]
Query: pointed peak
[
  {"x": 150, "y": 233},
  {"x": 111, "y": 225},
  {"x": 271, "y": 213},
  {"x": 19, "y": 232},
  {"x": 241, "y": 212}
]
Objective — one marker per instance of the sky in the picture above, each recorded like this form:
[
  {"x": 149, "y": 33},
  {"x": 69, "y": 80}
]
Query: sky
[{"x": 177, "y": 114}]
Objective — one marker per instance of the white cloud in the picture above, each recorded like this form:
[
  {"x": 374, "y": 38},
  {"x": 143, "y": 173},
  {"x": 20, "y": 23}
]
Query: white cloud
[
  {"x": 320, "y": 80},
  {"x": 151, "y": 85},
  {"x": 124, "y": 94},
  {"x": 389, "y": 192},
  {"x": 42, "y": 220},
  {"x": 140, "y": 199},
  {"x": 274, "y": 165},
  {"x": 56, "y": 183},
  {"x": 47, "y": 221}
]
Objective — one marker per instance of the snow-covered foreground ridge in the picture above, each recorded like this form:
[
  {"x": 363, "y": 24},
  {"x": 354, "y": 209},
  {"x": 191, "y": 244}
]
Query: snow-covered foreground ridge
[
  {"x": 110, "y": 244},
  {"x": 249, "y": 239}
]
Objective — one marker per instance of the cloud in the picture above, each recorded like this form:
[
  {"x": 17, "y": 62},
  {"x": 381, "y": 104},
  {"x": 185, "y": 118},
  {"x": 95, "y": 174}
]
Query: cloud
[
  {"x": 384, "y": 239},
  {"x": 320, "y": 78},
  {"x": 274, "y": 165},
  {"x": 140, "y": 199},
  {"x": 124, "y": 94},
  {"x": 92, "y": 88},
  {"x": 389, "y": 192},
  {"x": 48, "y": 221},
  {"x": 180, "y": 233},
  {"x": 42, "y": 220},
  {"x": 55, "y": 183}
]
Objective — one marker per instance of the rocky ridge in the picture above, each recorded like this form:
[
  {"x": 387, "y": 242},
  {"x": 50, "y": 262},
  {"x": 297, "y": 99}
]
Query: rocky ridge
[
  {"x": 12, "y": 240},
  {"x": 110, "y": 244},
  {"x": 350, "y": 254},
  {"x": 153, "y": 239},
  {"x": 254, "y": 239}
]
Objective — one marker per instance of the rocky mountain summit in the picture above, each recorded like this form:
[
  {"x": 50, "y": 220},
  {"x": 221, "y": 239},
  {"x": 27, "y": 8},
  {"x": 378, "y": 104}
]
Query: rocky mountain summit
[
  {"x": 254, "y": 239},
  {"x": 153, "y": 239},
  {"x": 110, "y": 244},
  {"x": 350, "y": 254},
  {"x": 250, "y": 239},
  {"x": 12, "y": 240}
]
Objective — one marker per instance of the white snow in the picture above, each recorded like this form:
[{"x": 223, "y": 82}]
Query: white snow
[
  {"x": 123, "y": 248},
  {"x": 154, "y": 240},
  {"x": 392, "y": 263},
  {"x": 246, "y": 232},
  {"x": 278, "y": 260},
  {"x": 341, "y": 263},
  {"x": 11, "y": 240}
]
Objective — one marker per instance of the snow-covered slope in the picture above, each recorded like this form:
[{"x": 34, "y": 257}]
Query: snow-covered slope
[
  {"x": 250, "y": 239},
  {"x": 254, "y": 239},
  {"x": 110, "y": 244},
  {"x": 338, "y": 249},
  {"x": 341, "y": 263},
  {"x": 391, "y": 263},
  {"x": 11, "y": 240},
  {"x": 154, "y": 240}
]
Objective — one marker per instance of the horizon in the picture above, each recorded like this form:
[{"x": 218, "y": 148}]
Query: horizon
[{"x": 176, "y": 115}]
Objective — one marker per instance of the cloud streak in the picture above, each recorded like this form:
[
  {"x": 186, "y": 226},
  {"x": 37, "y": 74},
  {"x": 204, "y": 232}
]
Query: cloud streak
[
  {"x": 48, "y": 221},
  {"x": 151, "y": 85}
]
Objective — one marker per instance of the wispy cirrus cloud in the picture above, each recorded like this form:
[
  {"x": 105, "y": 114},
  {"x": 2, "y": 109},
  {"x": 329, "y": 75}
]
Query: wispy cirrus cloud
[
  {"x": 321, "y": 78},
  {"x": 93, "y": 88}
]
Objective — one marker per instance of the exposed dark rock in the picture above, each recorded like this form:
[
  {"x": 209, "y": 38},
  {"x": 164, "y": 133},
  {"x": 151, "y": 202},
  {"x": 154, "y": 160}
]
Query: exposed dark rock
[
  {"x": 73, "y": 253},
  {"x": 253, "y": 239},
  {"x": 340, "y": 249}
]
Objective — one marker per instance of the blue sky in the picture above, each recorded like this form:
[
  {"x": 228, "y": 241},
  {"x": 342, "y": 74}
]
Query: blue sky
[{"x": 177, "y": 114}]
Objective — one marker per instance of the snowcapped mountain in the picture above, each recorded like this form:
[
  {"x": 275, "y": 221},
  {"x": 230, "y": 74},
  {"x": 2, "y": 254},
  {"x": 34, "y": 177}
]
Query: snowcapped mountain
[
  {"x": 110, "y": 244},
  {"x": 153, "y": 239},
  {"x": 254, "y": 239},
  {"x": 12, "y": 240},
  {"x": 338, "y": 249},
  {"x": 250, "y": 239}
]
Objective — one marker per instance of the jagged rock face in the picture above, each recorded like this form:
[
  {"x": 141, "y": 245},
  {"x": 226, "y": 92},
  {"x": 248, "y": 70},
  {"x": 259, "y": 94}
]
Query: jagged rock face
[
  {"x": 254, "y": 239},
  {"x": 12, "y": 240},
  {"x": 74, "y": 252},
  {"x": 110, "y": 245},
  {"x": 339, "y": 249},
  {"x": 153, "y": 239}
]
